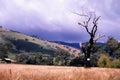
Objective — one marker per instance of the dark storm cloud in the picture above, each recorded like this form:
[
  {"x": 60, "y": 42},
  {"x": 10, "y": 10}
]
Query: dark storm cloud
[{"x": 54, "y": 20}]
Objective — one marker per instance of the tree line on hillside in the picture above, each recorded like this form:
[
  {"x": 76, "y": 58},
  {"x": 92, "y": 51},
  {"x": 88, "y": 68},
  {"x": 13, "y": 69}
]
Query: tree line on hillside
[{"x": 102, "y": 56}]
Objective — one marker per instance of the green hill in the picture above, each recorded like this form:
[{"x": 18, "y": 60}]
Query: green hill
[{"x": 23, "y": 43}]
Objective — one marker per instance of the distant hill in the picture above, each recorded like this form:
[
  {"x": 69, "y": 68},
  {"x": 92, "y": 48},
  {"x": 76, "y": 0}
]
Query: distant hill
[
  {"x": 76, "y": 45},
  {"x": 24, "y": 43}
]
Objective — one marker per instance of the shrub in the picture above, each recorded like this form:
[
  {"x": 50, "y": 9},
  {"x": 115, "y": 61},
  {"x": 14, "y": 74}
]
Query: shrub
[
  {"x": 77, "y": 61},
  {"x": 104, "y": 61},
  {"x": 26, "y": 39},
  {"x": 94, "y": 59},
  {"x": 115, "y": 63},
  {"x": 62, "y": 58}
]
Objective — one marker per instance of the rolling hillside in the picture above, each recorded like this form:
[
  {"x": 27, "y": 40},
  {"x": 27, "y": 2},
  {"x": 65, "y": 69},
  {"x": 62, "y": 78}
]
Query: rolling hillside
[{"x": 26, "y": 43}]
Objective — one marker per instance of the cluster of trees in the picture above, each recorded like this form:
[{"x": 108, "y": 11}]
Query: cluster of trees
[
  {"x": 110, "y": 56},
  {"x": 107, "y": 55},
  {"x": 38, "y": 58},
  {"x": 4, "y": 49},
  {"x": 60, "y": 57}
]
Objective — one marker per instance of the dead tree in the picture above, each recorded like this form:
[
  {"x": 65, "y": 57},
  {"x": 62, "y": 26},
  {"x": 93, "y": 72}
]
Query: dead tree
[{"x": 87, "y": 50}]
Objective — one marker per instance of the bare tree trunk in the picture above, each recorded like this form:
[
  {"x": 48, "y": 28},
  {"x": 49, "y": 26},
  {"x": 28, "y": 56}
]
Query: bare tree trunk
[{"x": 88, "y": 48}]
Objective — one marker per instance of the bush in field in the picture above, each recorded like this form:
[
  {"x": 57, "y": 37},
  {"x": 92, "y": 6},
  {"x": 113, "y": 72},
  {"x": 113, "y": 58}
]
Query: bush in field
[
  {"x": 77, "y": 61},
  {"x": 4, "y": 50},
  {"x": 117, "y": 53},
  {"x": 111, "y": 46},
  {"x": 2, "y": 55},
  {"x": 22, "y": 58},
  {"x": 115, "y": 63},
  {"x": 37, "y": 58},
  {"x": 62, "y": 58},
  {"x": 94, "y": 59},
  {"x": 43, "y": 59},
  {"x": 104, "y": 61}
]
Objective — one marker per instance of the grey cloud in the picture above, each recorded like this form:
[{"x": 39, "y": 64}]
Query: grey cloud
[{"x": 54, "y": 20}]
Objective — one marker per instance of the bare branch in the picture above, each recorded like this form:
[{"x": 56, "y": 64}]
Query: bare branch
[
  {"x": 81, "y": 24},
  {"x": 95, "y": 29},
  {"x": 85, "y": 23},
  {"x": 98, "y": 37},
  {"x": 89, "y": 19},
  {"x": 80, "y": 14},
  {"x": 95, "y": 20},
  {"x": 86, "y": 27},
  {"x": 82, "y": 47}
]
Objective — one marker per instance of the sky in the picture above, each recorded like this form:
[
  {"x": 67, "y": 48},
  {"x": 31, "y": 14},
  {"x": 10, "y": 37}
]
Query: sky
[{"x": 54, "y": 20}]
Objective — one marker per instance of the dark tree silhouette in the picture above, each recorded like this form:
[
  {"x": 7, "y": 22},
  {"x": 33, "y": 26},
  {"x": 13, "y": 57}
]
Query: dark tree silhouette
[{"x": 89, "y": 19}]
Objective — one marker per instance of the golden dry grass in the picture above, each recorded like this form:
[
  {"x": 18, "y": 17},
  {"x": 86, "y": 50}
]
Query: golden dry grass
[{"x": 32, "y": 72}]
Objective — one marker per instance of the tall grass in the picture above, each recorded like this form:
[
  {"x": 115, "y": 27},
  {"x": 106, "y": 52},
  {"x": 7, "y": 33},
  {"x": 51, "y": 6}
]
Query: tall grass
[{"x": 31, "y": 72}]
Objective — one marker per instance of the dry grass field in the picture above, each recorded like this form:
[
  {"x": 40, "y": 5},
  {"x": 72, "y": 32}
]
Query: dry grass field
[{"x": 32, "y": 72}]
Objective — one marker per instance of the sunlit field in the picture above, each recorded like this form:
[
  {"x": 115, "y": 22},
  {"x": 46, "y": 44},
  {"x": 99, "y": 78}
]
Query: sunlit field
[{"x": 33, "y": 72}]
